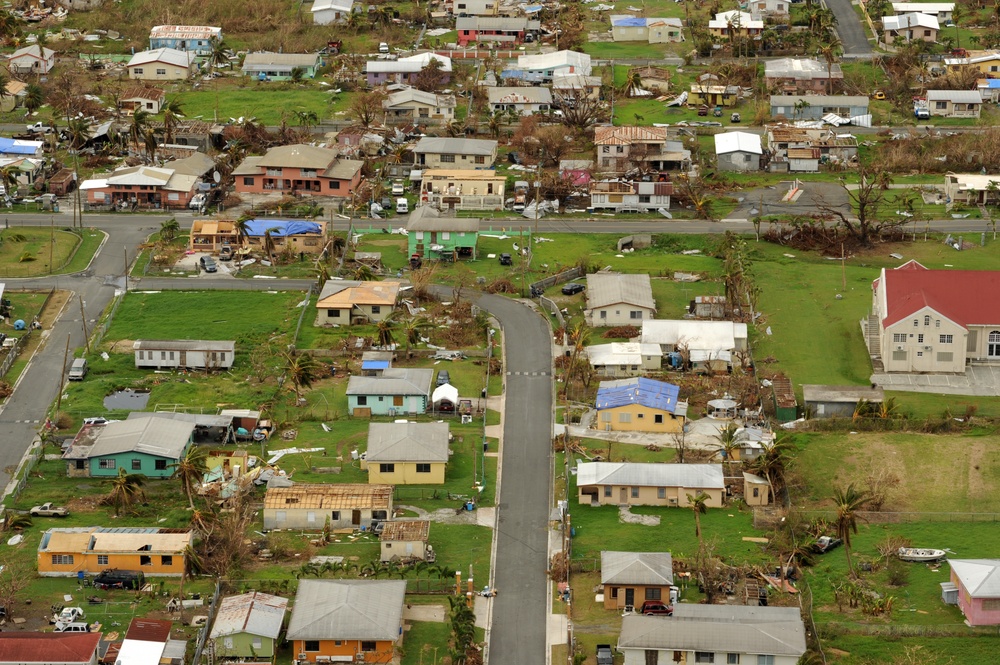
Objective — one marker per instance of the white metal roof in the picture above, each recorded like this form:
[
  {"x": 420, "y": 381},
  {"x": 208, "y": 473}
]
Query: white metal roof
[
  {"x": 700, "y": 335},
  {"x": 980, "y": 577},
  {"x": 341, "y": 5},
  {"x": 911, "y": 20},
  {"x": 604, "y": 289},
  {"x": 737, "y": 142},
  {"x": 693, "y": 476},
  {"x": 773, "y": 635},
  {"x": 254, "y": 613},
  {"x": 955, "y": 96},
  {"x": 925, "y": 7},
  {"x": 169, "y": 56},
  {"x": 621, "y": 353}
]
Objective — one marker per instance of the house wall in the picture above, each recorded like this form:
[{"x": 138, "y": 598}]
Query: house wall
[
  {"x": 296, "y": 181},
  {"x": 159, "y": 71},
  {"x": 615, "y": 594},
  {"x": 147, "y": 464},
  {"x": 952, "y": 110},
  {"x": 648, "y": 496},
  {"x": 629, "y": 33},
  {"x": 145, "y": 197},
  {"x": 419, "y": 242},
  {"x": 343, "y": 317},
  {"x": 432, "y": 160},
  {"x": 315, "y": 519},
  {"x": 475, "y": 7},
  {"x": 279, "y": 73},
  {"x": 88, "y": 563},
  {"x": 27, "y": 63},
  {"x": 638, "y": 418},
  {"x": 763, "y": 494},
  {"x": 350, "y": 648},
  {"x": 404, "y": 549},
  {"x": 621, "y": 314},
  {"x": 978, "y": 611},
  {"x": 913, "y": 357},
  {"x": 738, "y": 161},
  {"x": 386, "y": 405},
  {"x": 151, "y": 359},
  {"x": 242, "y": 645},
  {"x": 666, "y": 657},
  {"x": 329, "y": 16},
  {"x": 198, "y": 46},
  {"x": 698, "y": 97},
  {"x": 417, "y": 111},
  {"x": 405, "y": 473},
  {"x": 664, "y": 34}
]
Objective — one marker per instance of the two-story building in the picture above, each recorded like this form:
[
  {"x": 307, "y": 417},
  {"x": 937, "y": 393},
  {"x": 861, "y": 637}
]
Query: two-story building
[
  {"x": 621, "y": 149},
  {"x": 795, "y": 150},
  {"x": 142, "y": 187},
  {"x": 89, "y": 550},
  {"x": 412, "y": 106},
  {"x": 407, "y": 453},
  {"x": 298, "y": 169},
  {"x": 405, "y": 70},
  {"x": 735, "y": 24},
  {"x": 501, "y": 31},
  {"x": 195, "y": 39},
  {"x": 626, "y": 196},
  {"x": 432, "y": 152}
]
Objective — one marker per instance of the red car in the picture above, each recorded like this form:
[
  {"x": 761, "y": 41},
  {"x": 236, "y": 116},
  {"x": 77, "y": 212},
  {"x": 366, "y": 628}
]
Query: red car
[{"x": 655, "y": 608}]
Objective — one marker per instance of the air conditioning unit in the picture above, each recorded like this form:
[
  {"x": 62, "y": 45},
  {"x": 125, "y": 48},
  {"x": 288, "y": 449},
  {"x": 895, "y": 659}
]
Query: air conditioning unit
[
  {"x": 302, "y": 656},
  {"x": 928, "y": 348},
  {"x": 359, "y": 657},
  {"x": 900, "y": 347}
]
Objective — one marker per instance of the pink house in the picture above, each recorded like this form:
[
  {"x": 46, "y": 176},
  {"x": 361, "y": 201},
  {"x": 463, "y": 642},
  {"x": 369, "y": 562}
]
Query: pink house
[
  {"x": 977, "y": 582},
  {"x": 298, "y": 169}
]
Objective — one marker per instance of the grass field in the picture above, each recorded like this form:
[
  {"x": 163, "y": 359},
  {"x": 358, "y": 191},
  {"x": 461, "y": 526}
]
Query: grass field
[
  {"x": 270, "y": 103},
  {"x": 27, "y": 251}
]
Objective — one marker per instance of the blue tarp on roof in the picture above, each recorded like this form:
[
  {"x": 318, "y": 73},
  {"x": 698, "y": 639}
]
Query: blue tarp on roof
[
  {"x": 992, "y": 83},
  {"x": 374, "y": 364},
  {"x": 647, "y": 392},
  {"x": 631, "y": 22},
  {"x": 282, "y": 227},
  {"x": 9, "y": 147}
]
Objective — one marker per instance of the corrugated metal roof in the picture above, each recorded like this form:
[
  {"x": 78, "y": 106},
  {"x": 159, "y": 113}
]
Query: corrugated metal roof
[
  {"x": 253, "y": 60},
  {"x": 700, "y": 335},
  {"x": 152, "y": 436},
  {"x": 820, "y": 100},
  {"x": 691, "y": 476},
  {"x": 183, "y": 345},
  {"x": 406, "y": 530},
  {"x": 519, "y": 95},
  {"x": 254, "y": 613},
  {"x": 604, "y": 289},
  {"x": 394, "y": 381},
  {"x": 426, "y": 218},
  {"x": 149, "y": 630},
  {"x": 780, "y": 637},
  {"x": 166, "y": 55},
  {"x": 341, "y": 294},
  {"x": 737, "y": 142},
  {"x": 48, "y": 647},
  {"x": 955, "y": 96},
  {"x": 303, "y": 496},
  {"x": 298, "y": 156},
  {"x": 621, "y": 353},
  {"x": 640, "y": 390},
  {"x": 637, "y": 568},
  {"x": 455, "y": 146},
  {"x": 979, "y": 577},
  {"x": 408, "y": 442},
  {"x": 347, "y": 609}
]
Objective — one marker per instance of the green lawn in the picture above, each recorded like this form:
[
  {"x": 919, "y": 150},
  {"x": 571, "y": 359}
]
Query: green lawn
[
  {"x": 425, "y": 642},
  {"x": 30, "y": 251},
  {"x": 269, "y": 103}
]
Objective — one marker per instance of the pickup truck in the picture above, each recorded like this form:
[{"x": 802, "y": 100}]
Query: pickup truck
[
  {"x": 604, "y": 655},
  {"x": 49, "y": 509},
  {"x": 39, "y": 128}
]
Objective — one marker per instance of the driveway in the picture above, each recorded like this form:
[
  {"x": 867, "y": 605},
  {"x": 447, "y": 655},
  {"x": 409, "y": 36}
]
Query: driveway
[
  {"x": 978, "y": 380},
  {"x": 850, "y": 28}
]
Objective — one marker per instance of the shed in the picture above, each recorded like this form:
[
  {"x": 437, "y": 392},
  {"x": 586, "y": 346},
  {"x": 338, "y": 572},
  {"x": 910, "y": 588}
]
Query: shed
[
  {"x": 374, "y": 363},
  {"x": 184, "y": 354},
  {"x": 838, "y": 401},
  {"x": 785, "y": 406},
  {"x": 406, "y": 540},
  {"x": 756, "y": 490}
]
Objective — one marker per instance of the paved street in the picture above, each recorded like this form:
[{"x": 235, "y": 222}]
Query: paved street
[{"x": 852, "y": 32}]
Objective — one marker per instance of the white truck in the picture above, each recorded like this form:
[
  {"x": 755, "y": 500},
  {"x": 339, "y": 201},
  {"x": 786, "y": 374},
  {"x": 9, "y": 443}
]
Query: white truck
[{"x": 39, "y": 128}]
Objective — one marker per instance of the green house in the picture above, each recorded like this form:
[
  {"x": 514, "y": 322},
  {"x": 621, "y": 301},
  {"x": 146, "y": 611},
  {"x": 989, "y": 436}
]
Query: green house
[
  {"x": 246, "y": 627},
  {"x": 147, "y": 445},
  {"x": 433, "y": 236},
  {"x": 280, "y": 66}
]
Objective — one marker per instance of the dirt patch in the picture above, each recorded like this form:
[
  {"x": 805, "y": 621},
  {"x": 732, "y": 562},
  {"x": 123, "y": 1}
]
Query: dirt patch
[
  {"x": 121, "y": 346},
  {"x": 53, "y": 307},
  {"x": 976, "y": 485},
  {"x": 626, "y": 517}
]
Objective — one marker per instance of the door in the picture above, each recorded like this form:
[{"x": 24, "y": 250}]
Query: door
[
  {"x": 397, "y": 400},
  {"x": 184, "y": 359},
  {"x": 623, "y": 495},
  {"x": 630, "y": 597},
  {"x": 356, "y": 517}
]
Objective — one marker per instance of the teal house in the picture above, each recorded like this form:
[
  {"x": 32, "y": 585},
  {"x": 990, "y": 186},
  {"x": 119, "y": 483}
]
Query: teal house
[
  {"x": 148, "y": 445},
  {"x": 395, "y": 392},
  {"x": 247, "y": 626},
  {"x": 433, "y": 236},
  {"x": 279, "y": 66}
]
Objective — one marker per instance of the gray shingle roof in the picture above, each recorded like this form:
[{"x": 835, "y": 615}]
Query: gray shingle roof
[
  {"x": 254, "y": 613},
  {"x": 408, "y": 442},
  {"x": 394, "y": 381},
  {"x": 776, "y": 634},
  {"x": 605, "y": 289},
  {"x": 637, "y": 568},
  {"x": 347, "y": 609},
  {"x": 692, "y": 476}
]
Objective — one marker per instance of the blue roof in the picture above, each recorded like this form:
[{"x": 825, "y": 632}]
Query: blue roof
[
  {"x": 992, "y": 83},
  {"x": 9, "y": 147},
  {"x": 630, "y": 22},
  {"x": 282, "y": 227},
  {"x": 647, "y": 392},
  {"x": 374, "y": 364}
]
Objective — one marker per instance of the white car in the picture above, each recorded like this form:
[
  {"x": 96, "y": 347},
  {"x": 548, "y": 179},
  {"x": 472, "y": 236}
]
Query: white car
[
  {"x": 397, "y": 188},
  {"x": 402, "y": 206},
  {"x": 383, "y": 47},
  {"x": 197, "y": 201},
  {"x": 69, "y": 615}
]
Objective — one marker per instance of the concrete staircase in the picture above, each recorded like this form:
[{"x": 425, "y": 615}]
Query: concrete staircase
[{"x": 869, "y": 328}]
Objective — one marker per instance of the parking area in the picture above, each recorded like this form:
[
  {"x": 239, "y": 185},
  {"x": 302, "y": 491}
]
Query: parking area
[
  {"x": 192, "y": 263},
  {"x": 981, "y": 380}
]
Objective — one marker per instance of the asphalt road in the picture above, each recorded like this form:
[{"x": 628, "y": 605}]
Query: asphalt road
[{"x": 852, "y": 32}]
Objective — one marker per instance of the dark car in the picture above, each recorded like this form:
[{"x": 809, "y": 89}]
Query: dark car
[
  {"x": 514, "y": 158},
  {"x": 655, "y": 608},
  {"x": 443, "y": 377},
  {"x": 572, "y": 289},
  {"x": 824, "y": 544},
  {"x": 505, "y": 260},
  {"x": 120, "y": 579},
  {"x": 208, "y": 264},
  {"x": 386, "y": 203},
  {"x": 604, "y": 655}
]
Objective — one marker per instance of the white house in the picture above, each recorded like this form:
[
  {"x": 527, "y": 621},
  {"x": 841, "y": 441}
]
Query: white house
[
  {"x": 619, "y": 300},
  {"x": 162, "y": 64},
  {"x": 620, "y": 359},
  {"x": 526, "y": 100},
  {"x": 738, "y": 151},
  {"x": 954, "y": 103},
  {"x": 32, "y": 59},
  {"x": 327, "y": 12},
  {"x": 559, "y": 62},
  {"x": 914, "y": 26},
  {"x": 625, "y": 196},
  {"x": 194, "y": 354},
  {"x": 705, "y": 342},
  {"x": 942, "y": 10}
]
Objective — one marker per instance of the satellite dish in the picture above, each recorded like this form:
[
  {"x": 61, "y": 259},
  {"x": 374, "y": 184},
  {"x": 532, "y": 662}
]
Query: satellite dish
[{"x": 216, "y": 177}]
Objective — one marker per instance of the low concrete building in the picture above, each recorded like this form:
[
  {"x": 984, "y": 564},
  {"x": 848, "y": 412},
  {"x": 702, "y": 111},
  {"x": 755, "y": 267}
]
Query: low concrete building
[
  {"x": 147, "y": 445},
  {"x": 162, "y": 64},
  {"x": 281, "y": 66},
  {"x": 411, "y": 106},
  {"x": 914, "y": 26},
  {"x": 630, "y": 196},
  {"x": 435, "y": 236},
  {"x": 954, "y": 103},
  {"x": 405, "y": 540},
  {"x": 524, "y": 100},
  {"x": 311, "y": 506},
  {"x": 432, "y": 152},
  {"x": 648, "y": 484},
  {"x": 640, "y": 405},
  {"x": 621, "y": 359},
  {"x": 629, "y": 578},
  {"x": 247, "y": 627},
  {"x": 398, "y": 391},
  {"x": 34, "y": 59},
  {"x": 407, "y": 453},
  {"x": 615, "y": 299},
  {"x": 184, "y": 354},
  {"x": 738, "y": 151},
  {"x": 32, "y": 648},
  {"x": 814, "y": 107},
  {"x": 627, "y": 28},
  {"x": 153, "y": 551},
  {"x": 838, "y": 401},
  {"x": 329, "y": 12},
  {"x": 347, "y": 302},
  {"x": 803, "y": 75},
  {"x": 756, "y": 490}
]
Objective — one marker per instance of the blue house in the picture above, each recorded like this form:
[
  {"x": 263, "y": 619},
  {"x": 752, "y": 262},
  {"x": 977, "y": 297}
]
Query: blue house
[
  {"x": 197, "y": 39},
  {"x": 148, "y": 445},
  {"x": 396, "y": 391}
]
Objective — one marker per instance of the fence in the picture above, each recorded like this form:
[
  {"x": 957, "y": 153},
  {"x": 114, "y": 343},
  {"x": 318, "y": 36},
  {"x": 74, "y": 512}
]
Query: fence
[
  {"x": 21, "y": 475},
  {"x": 101, "y": 330},
  {"x": 203, "y": 631},
  {"x": 15, "y": 351},
  {"x": 558, "y": 278}
]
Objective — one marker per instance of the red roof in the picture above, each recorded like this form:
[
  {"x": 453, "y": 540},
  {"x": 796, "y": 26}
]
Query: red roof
[
  {"x": 149, "y": 630},
  {"x": 967, "y": 297},
  {"x": 48, "y": 647}
]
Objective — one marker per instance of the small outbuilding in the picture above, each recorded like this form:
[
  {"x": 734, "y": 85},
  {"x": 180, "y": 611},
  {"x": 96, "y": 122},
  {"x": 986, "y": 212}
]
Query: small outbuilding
[
  {"x": 405, "y": 540},
  {"x": 738, "y": 151},
  {"x": 756, "y": 490},
  {"x": 184, "y": 354},
  {"x": 838, "y": 401}
]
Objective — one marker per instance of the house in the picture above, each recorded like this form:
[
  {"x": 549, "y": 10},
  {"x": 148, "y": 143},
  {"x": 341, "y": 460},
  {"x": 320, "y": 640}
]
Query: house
[
  {"x": 298, "y": 169},
  {"x": 620, "y": 359},
  {"x": 430, "y": 235},
  {"x": 20, "y": 148},
  {"x": 756, "y": 490},
  {"x": 546, "y": 66},
  {"x": 524, "y": 100},
  {"x": 476, "y": 7},
  {"x": 495, "y": 30},
  {"x": 405, "y": 70},
  {"x": 328, "y": 12},
  {"x": 247, "y": 627},
  {"x": 814, "y": 107},
  {"x": 209, "y": 235},
  {"x": 714, "y": 634},
  {"x": 281, "y": 66},
  {"x": 639, "y": 405},
  {"x": 975, "y": 586},
  {"x": 619, "y": 300},
  {"x": 735, "y": 24},
  {"x": 398, "y": 391},
  {"x": 568, "y": 88},
  {"x": 374, "y": 363},
  {"x": 762, "y": 9},
  {"x": 143, "y": 187},
  {"x": 162, "y": 64},
  {"x": 935, "y": 320},
  {"x": 407, "y": 453},
  {"x": 629, "y": 578},
  {"x": 738, "y": 151},
  {"x": 802, "y": 76},
  {"x": 576, "y": 171},
  {"x": 462, "y": 189},
  {"x": 954, "y": 103},
  {"x": 989, "y": 89},
  {"x": 627, "y": 28},
  {"x": 142, "y": 98},
  {"x": 16, "y": 92},
  {"x": 359, "y": 621},
  {"x": 293, "y": 236},
  {"x": 972, "y": 188},
  {"x": 147, "y": 642},
  {"x": 796, "y": 150},
  {"x": 942, "y": 10},
  {"x": 32, "y": 59},
  {"x": 149, "y": 446},
  {"x": 184, "y": 354},
  {"x": 915, "y": 26},
  {"x": 312, "y": 507},
  {"x": 347, "y": 302},
  {"x": 432, "y": 152},
  {"x": 24, "y": 170},
  {"x": 412, "y": 106},
  {"x": 838, "y": 401},
  {"x": 621, "y": 149},
  {"x": 89, "y": 550},
  {"x": 988, "y": 63},
  {"x": 49, "y": 648},
  {"x": 707, "y": 91},
  {"x": 194, "y": 39},
  {"x": 701, "y": 343},
  {"x": 405, "y": 540},
  {"x": 648, "y": 484}
]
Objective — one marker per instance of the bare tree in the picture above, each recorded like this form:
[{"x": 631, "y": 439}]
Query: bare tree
[
  {"x": 580, "y": 111},
  {"x": 13, "y": 579},
  {"x": 868, "y": 198},
  {"x": 367, "y": 107}
]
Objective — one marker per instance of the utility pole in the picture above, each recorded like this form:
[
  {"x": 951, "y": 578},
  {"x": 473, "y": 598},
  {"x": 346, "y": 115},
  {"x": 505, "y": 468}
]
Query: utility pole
[
  {"x": 521, "y": 253},
  {"x": 125, "y": 274},
  {"x": 83, "y": 317},
  {"x": 52, "y": 240},
  {"x": 62, "y": 378},
  {"x": 843, "y": 266}
]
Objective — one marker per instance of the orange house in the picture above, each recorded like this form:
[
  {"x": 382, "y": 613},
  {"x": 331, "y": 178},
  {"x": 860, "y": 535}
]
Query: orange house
[
  {"x": 298, "y": 169},
  {"x": 156, "y": 552},
  {"x": 347, "y": 620}
]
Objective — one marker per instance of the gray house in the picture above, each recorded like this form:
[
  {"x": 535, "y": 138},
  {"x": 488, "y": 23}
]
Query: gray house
[
  {"x": 838, "y": 401},
  {"x": 183, "y": 354},
  {"x": 738, "y": 151},
  {"x": 629, "y": 578},
  {"x": 814, "y": 107},
  {"x": 619, "y": 300}
]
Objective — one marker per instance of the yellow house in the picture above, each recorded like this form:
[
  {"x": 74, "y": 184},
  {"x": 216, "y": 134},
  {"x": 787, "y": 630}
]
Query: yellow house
[
  {"x": 756, "y": 490},
  {"x": 345, "y": 302},
  {"x": 988, "y": 64},
  {"x": 649, "y": 484},
  {"x": 640, "y": 405},
  {"x": 156, "y": 552},
  {"x": 406, "y": 453}
]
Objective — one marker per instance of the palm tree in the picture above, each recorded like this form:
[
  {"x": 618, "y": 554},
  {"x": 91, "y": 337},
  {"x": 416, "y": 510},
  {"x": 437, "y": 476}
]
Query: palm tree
[
  {"x": 633, "y": 83},
  {"x": 137, "y": 130},
  {"x": 494, "y": 121},
  {"x": 269, "y": 243},
  {"x": 8, "y": 177},
  {"x": 172, "y": 113},
  {"x": 384, "y": 330},
  {"x": 699, "y": 507},
  {"x": 150, "y": 143},
  {"x": 126, "y": 491},
  {"x": 34, "y": 97},
  {"x": 218, "y": 56},
  {"x": 411, "y": 327},
  {"x": 830, "y": 52},
  {"x": 727, "y": 442},
  {"x": 191, "y": 469},
  {"x": 848, "y": 502},
  {"x": 306, "y": 119},
  {"x": 302, "y": 369},
  {"x": 169, "y": 229},
  {"x": 14, "y": 521},
  {"x": 297, "y": 74},
  {"x": 242, "y": 228},
  {"x": 79, "y": 132},
  {"x": 771, "y": 464},
  {"x": 364, "y": 273}
]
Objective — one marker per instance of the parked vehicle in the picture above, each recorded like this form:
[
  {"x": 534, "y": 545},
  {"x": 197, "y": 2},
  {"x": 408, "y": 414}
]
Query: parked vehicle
[
  {"x": 397, "y": 188},
  {"x": 824, "y": 544},
  {"x": 78, "y": 369},
  {"x": 197, "y": 201},
  {"x": 208, "y": 264},
  {"x": 520, "y": 195},
  {"x": 114, "y": 578},
  {"x": 383, "y": 47},
  {"x": 505, "y": 260},
  {"x": 402, "y": 206},
  {"x": 572, "y": 288},
  {"x": 386, "y": 203},
  {"x": 39, "y": 128},
  {"x": 226, "y": 253},
  {"x": 68, "y": 615},
  {"x": 604, "y": 655},
  {"x": 443, "y": 377},
  {"x": 920, "y": 554},
  {"x": 49, "y": 509},
  {"x": 735, "y": 118},
  {"x": 72, "y": 627},
  {"x": 655, "y": 608}
]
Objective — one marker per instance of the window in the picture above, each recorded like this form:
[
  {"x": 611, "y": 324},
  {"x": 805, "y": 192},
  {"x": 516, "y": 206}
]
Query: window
[
  {"x": 333, "y": 184},
  {"x": 604, "y": 314},
  {"x": 756, "y": 492},
  {"x": 102, "y": 559},
  {"x": 614, "y": 592},
  {"x": 653, "y": 593},
  {"x": 658, "y": 419},
  {"x": 606, "y": 417},
  {"x": 423, "y": 468},
  {"x": 635, "y": 314},
  {"x": 641, "y": 416},
  {"x": 899, "y": 337},
  {"x": 945, "y": 339},
  {"x": 335, "y": 515},
  {"x": 607, "y": 490},
  {"x": 661, "y": 492},
  {"x": 311, "y": 645},
  {"x": 945, "y": 357},
  {"x": 62, "y": 559},
  {"x": 927, "y": 320},
  {"x": 899, "y": 355},
  {"x": 643, "y": 199},
  {"x": 624, "y": 417},
  {"x": 362, "y": 400},
  {"x": 940, "y": 106},
  {"x": 635, "y": 492},
  {"x": 915, "y": 323},
  {"x": 137, "y": 70},
  {"x": 311, "y": 516},
  {"x": 991, "y": 604},
  {"x": 227, "y": 642},
  {"x": 937, "y": 324},
  {"x": 368, "y": 645},
  {"x": 161, "y": 72},
  {"x": 920, "y": 339},
  {"x": 480, "y": 159},
  {"x": 137, "y": 465},
  {"x": 704, "y": 657},
  {"x": 765, "y": 660},
  {"x": 448, "y": 159},
  {"x": 163, "y": 355},
  {"x": 167, "y": 560},
  {"x": 248, "y": 181},
  {"x": 333, "y": 313},
  {"x": 106, "y": 464},
  {"x": 81, "y": 464},
  {"x": 732, "y": 659},
  {"x": 387, "y": 468},
  {"x": 376, "y": 309},
  {"x": 145, "y": 560},
  {"x": 257, "y": 643},
  {"x": 920, "y": 354}
]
